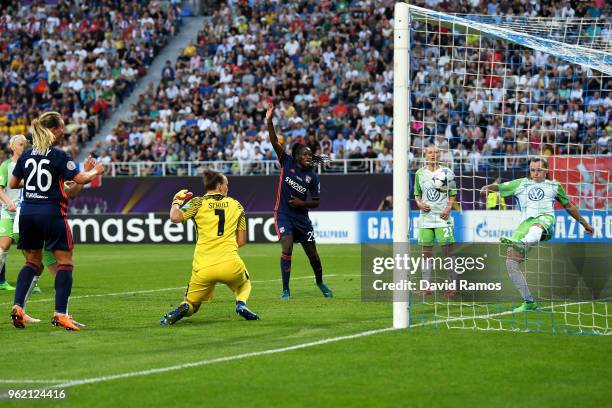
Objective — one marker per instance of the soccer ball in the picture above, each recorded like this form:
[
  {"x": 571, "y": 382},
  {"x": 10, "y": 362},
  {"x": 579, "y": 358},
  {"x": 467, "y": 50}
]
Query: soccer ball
[{"x": 442, "y": 178}]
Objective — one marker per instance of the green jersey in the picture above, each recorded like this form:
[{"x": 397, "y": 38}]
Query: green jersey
[
  {"x": 6, "y": 169},
  {"x": 535, "y": 198},
  {"x": 437, "y": 200}
]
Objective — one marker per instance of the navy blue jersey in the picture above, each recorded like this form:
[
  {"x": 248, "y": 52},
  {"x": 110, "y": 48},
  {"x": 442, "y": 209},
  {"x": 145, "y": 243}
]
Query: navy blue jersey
[
  {"x": 43, "y": 174},
  {"x": 297, "y": 182}
]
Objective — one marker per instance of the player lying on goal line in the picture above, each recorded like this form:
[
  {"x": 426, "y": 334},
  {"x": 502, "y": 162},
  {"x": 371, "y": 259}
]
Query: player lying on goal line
[
  {"x": 221, "y": 226},
  {"x": 536, "y": 195}
]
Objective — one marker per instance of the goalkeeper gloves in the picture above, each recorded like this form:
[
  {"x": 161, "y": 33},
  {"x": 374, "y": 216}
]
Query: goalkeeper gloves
[{"x": 182, "y": 196}]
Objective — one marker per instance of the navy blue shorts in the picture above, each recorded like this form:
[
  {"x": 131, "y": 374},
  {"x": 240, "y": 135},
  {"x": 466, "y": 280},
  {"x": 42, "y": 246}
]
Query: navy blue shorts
[
  {"x": 50, "y": 231},
  {"x": 300, "y": 228}
]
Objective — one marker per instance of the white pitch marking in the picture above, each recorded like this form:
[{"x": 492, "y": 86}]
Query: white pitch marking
[
  {"x": 93, "y": 380},
  {"x": 9, "y": 381}
]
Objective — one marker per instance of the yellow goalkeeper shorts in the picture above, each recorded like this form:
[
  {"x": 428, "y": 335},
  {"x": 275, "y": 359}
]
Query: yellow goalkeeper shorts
[{"x": 233, "y": 273}]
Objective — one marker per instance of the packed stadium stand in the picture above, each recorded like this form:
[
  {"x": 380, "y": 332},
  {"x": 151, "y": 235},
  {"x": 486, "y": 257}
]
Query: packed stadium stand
[
  {"x": 327, "y": 65},
  {"x": 78, "y": 58}
]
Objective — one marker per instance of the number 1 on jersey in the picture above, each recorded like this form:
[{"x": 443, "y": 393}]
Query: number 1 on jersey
[{"x": 221, "y": 228}]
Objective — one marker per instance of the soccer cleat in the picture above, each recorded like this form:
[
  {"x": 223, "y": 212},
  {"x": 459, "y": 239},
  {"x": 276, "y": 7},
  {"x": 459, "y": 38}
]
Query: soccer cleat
[
  {"x": 327, "y": 292},
  {"x": 37, "y": 290},
  {"x": 525, "y": 307},
  {"x": 286, "y": 294},
  {"x": 175, "y": 315},
  {"x": 65, "y": 321},
  {"x": 18, "y": 316},
  {"x": 29, "y": 319},
  {"x": 518, "y": 246},
  {"x": 6, "y": 286},
  {"x": 244, "y": 311}
]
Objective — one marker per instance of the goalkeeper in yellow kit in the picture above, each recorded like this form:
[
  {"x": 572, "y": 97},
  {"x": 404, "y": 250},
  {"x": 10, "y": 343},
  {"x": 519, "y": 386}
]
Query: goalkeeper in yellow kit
[{"x": 221, "y": 226}]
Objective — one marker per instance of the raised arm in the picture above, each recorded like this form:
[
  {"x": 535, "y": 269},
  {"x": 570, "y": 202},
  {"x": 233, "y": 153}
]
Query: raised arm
[
  {"x": 74, "y": 189},
  {"x": 85, "y": 177},
  {"x": 273, "y": 138}
]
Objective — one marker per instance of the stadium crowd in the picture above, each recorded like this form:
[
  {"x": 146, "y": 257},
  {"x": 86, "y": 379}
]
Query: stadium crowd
[
  {"x": 77, "y": 58},
  {"x": 328, "y": 66}
]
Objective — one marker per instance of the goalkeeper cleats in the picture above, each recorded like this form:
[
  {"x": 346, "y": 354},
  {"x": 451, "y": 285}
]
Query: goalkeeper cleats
[
  {"x": 327, "y": 292},
  {"x": 18, "y": 316},
  {"x": 6, "y": 286},
  {"x": 182, "y": 196},
  {"x": 244, "y": 311},
  {"x": 174, "y": 315},
  {"x": 286, "y": 294},
  {"x": 65, "y": 321},
  {"x": 525, "y": 307}
]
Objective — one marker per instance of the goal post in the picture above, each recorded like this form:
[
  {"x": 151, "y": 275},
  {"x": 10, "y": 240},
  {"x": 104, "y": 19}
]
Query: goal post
[{"x": 401, "y": 143}]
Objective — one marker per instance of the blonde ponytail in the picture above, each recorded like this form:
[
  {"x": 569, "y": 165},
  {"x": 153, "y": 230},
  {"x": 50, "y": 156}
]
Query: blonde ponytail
[{"x": 40, "y": 128}]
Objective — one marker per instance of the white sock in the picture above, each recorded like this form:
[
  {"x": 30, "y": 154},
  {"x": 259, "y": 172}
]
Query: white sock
[
  {"x": 533, "y": 235},
  {"x": 426, "y": 270},
  {"x": 518, "y": 279}
]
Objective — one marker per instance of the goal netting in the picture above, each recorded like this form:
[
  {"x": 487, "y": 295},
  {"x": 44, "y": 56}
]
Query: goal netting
[{"x": 491, "y": 92}]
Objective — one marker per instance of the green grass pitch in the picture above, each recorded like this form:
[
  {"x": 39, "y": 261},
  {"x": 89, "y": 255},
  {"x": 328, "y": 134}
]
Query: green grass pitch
[{"x": 121, "y": 291}]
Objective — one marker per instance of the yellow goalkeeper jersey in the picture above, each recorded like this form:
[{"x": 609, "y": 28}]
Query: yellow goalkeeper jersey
[{"x": 217, "y": 218}]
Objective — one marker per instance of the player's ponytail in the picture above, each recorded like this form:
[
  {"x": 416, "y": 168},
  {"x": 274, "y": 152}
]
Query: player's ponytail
[
  {"x": 40, "y": 128},
  {"x": 212, "y": 179}
]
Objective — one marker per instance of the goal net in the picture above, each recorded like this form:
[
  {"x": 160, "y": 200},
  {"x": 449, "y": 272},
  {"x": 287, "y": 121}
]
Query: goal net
[{"x": 484, "y": 95}]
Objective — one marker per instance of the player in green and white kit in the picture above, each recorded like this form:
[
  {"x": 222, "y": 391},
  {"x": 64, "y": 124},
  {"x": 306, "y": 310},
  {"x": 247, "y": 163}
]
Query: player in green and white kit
[
  {"x": 9, "y": 197},
  {"x": 536, "y": 195},
  {"x": 435, "y": 223}
]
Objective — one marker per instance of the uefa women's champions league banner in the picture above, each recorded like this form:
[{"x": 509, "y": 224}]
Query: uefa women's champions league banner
[{"x": 331, "y": 227}]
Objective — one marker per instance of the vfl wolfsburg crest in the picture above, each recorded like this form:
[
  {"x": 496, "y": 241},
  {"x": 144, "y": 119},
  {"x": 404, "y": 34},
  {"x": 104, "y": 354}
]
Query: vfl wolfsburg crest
[{"x": 535, "y": 194}]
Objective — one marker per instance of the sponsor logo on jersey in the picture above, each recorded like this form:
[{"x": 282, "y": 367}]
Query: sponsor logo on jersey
[
  {"x": 36, "y": 196},
  {"x": 295, "y": 185},
  {"x": 535, "y": 194},
  {"x": 433, "y": 194},
  {"x": 308, "y": 178},
  {"x": 71, "y": 165}
]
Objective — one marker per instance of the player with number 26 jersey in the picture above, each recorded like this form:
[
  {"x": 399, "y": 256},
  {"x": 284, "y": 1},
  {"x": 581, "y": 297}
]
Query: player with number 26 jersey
[{"x": 45, "y": 202}]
